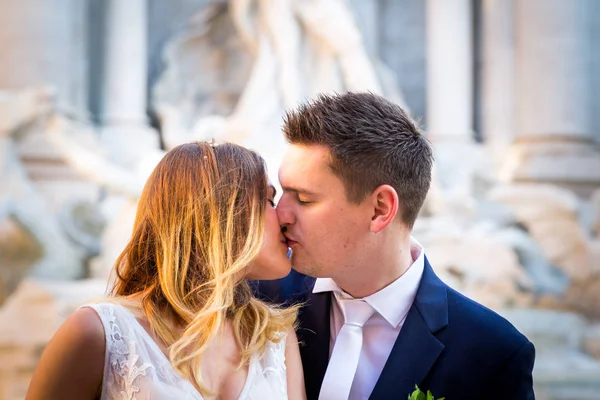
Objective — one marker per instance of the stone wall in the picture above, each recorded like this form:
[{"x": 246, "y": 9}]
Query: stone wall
[{"x": 595, "y": 66}]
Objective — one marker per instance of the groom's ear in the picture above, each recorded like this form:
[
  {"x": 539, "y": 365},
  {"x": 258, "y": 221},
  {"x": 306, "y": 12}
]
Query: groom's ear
[{"x": 384, "y": 203}]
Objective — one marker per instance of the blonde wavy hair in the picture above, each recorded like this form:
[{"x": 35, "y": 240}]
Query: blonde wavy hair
[{"x": 199, "y": 225}]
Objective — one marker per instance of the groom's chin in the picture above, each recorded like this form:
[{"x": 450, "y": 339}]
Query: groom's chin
[{"x": 304, "y": 269}]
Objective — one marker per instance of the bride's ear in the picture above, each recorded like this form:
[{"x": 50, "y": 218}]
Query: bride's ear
[{"x": 384, "y": 206}]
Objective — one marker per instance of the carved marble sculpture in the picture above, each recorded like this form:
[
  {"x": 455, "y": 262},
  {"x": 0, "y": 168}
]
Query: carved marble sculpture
[
  {"x": 25, "y": 219},
  {"x": 287, "y": 53}
]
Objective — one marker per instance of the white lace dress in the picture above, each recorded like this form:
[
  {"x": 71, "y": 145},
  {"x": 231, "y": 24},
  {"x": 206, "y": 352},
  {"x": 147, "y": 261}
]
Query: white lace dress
[{"x": 135, "y": 367}]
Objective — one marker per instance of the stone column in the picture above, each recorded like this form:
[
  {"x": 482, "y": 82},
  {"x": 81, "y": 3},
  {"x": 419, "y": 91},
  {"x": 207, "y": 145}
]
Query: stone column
[
  {"x": 554, "y": 141},
  {"x": 44, "y": 43},
  {"x": 498, "y": 78},
  {"x": 449, "y": 71},
  {"x": 450, "y": 95},
  {"x": 595, "y": 82},
  {"x": 126, "y": 132},
  {"x": 366, "y": 14}
]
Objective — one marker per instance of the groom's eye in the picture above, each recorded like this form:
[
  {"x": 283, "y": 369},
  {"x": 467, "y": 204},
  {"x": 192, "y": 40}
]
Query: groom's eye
[{"x": 302, "y": 202}]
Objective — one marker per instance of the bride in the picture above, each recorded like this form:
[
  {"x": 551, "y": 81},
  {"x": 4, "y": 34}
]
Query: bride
[{"x": 181, "y": 322}]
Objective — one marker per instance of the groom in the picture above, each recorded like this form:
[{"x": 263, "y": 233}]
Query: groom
[{"x": 377, "y": 320}]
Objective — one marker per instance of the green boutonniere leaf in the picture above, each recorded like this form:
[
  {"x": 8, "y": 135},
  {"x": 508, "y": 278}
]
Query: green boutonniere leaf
[{"x": 419, "y": 395}]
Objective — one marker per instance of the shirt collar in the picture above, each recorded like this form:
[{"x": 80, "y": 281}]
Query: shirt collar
[{"x": 393, "y": 301}]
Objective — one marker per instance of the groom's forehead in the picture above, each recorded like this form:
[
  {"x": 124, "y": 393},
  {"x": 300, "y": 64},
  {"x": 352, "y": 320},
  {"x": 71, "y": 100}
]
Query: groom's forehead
[
  {"x": 300, "y": 158},
  {"x": 302, "y": 174},
  {"x": 315, "y": 182}
]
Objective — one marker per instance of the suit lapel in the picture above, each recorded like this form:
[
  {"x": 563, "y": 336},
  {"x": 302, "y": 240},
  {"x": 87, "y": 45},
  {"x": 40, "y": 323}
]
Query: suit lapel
[
  {"x": 417, "y": 348},
  {"x": 314, "y": 335},
  {"x": 413, "y": 354}
]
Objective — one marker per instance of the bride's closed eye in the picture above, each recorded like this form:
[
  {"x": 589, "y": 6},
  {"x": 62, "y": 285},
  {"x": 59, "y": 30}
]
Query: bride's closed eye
[{"x": 271, "y": 202}]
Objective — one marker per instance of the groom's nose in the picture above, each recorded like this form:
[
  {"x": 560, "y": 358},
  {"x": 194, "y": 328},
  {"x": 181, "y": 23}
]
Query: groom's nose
[{"x": 285, "y": 212}]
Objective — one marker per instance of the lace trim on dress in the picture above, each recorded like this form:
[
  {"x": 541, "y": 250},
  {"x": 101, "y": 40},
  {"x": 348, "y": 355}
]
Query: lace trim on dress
[
  {"x": 123, "y": 357},
  {"x": 136, "y": 368},
  {"x": 275, "y": 370},
  {"x": 270, "y": 370}
]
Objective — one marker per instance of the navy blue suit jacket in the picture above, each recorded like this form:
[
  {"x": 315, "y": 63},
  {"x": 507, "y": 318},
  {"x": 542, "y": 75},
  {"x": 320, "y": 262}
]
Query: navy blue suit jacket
[{"x": 449, "y": 344}]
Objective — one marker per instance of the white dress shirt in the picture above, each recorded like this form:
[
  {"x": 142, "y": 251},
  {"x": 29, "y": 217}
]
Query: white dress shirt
[{"x": 380, "y": 332}]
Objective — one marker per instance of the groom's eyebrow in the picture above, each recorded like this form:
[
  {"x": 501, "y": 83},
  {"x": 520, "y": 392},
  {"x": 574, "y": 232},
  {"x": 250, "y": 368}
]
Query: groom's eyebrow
[{"x": 297, "y": 190}]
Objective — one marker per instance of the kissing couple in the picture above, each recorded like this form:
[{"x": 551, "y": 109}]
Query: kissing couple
[{"x": 362, "y": 315}]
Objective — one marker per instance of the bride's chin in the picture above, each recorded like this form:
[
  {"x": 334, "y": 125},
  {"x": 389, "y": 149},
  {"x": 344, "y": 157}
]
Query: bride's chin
[
  {"x": 284, "y": 268},
  {"x": 277, "y": 268}
]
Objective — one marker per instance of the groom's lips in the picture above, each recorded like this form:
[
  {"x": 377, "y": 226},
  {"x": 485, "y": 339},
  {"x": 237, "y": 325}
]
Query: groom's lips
[{"x": 290, "y": 242}]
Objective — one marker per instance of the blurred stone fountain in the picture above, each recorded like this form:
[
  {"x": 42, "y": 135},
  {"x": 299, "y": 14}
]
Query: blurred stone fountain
[
  {"x": 512, "y": 221},
  {"x": 38, "y": 243},
  {"x": 232, "y": 73}
]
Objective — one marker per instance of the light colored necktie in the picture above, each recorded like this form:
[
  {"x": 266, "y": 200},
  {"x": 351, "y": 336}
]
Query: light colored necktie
[{"x": 346, "y": 350}]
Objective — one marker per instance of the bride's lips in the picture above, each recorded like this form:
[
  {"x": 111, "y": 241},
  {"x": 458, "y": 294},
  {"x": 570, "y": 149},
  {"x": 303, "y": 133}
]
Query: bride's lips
[{"x": 284, "y": 241}]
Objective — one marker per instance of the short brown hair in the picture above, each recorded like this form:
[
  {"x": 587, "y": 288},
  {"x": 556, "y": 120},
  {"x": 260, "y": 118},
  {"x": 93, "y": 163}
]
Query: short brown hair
[{"x": 372, "y": 142}]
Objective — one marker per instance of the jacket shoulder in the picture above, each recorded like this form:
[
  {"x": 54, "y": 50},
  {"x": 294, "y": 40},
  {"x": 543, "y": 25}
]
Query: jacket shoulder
[
  {"x": 295, "y": 287},
  {"x": 481, "y": 327}
]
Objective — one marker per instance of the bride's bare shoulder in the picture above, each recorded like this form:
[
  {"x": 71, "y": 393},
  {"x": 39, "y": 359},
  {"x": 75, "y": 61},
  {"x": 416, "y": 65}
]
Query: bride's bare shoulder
[{"x": 72, "y": 365}]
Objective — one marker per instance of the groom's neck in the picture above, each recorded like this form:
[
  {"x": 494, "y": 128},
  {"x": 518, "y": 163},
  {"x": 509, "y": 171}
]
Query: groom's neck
[{"x": 381, "y": 269}]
